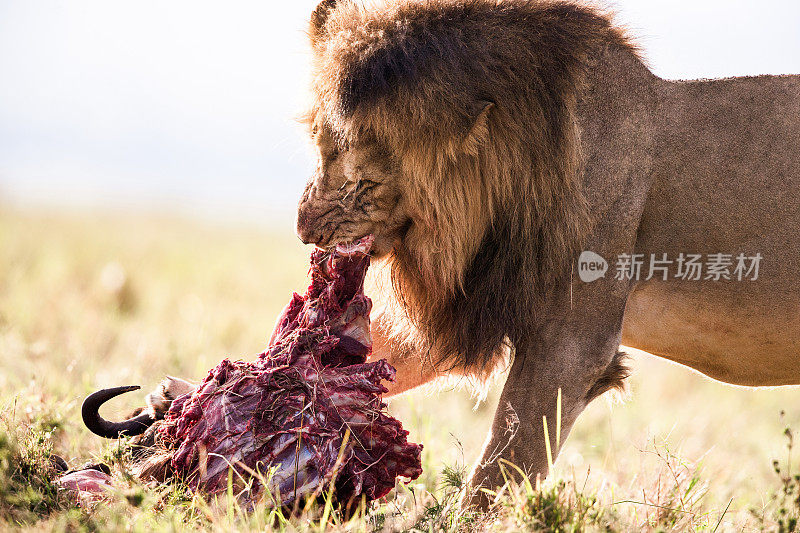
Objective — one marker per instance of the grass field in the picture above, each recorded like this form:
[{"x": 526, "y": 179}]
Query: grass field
[{"x": 94, "y": 301}]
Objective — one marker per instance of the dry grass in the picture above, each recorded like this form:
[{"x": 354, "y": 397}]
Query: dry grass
[{"x": 92, "y": 301}]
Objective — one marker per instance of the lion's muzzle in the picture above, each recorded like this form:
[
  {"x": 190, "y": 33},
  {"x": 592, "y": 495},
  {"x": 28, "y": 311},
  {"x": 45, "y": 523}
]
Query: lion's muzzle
[{"x": 307, "y": 228}]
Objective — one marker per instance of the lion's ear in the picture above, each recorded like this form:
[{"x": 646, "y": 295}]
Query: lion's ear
[
  {"x": 318, "y": 19},
  {"x": 480, "y": 128}
]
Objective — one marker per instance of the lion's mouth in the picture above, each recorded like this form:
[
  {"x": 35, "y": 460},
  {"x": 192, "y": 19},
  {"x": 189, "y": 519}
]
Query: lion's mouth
[
  {"x": 386, "y": 239},
  {"x": 332, "y": 243}
]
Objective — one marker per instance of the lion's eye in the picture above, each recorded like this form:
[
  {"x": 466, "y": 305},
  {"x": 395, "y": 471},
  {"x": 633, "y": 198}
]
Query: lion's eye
[
  {"x": 355, "y": 186},
  {"x": 351, "y": 183},
  {"x": 351, "y": 187}
]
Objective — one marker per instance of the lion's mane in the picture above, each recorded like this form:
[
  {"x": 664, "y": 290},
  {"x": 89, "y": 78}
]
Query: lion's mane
[{"x": 477, "y": 99}]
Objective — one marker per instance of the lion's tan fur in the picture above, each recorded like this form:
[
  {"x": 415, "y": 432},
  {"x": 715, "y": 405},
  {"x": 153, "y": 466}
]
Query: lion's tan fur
[
  {"x": 486, "y": 136},
  {"x": 502, "y": 124}
]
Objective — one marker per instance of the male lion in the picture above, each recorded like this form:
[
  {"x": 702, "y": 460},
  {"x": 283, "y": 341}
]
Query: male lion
[{"x": 486, "y": 143}]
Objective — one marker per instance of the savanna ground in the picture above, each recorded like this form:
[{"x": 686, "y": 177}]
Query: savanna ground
[{"x": 94, "y": 301}]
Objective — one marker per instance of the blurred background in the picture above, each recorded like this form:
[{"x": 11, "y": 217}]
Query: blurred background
[
  {"x": 149, "y": 168},
  {"x": 189, "y": 106}
]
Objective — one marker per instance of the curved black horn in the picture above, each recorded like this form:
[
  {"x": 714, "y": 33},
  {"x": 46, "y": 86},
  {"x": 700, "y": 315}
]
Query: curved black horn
[{"x": 90, "y": 411}]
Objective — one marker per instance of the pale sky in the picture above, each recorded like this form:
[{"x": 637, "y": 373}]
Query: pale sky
[{"x": 190, "y": 105}]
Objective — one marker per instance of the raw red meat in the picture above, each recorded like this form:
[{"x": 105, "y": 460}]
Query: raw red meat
[
  {"x": 87, "y": 485},
  {"x": 308, "y": 411}
]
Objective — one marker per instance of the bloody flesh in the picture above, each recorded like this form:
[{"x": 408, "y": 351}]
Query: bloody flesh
[{"x": 307, "y": 414}]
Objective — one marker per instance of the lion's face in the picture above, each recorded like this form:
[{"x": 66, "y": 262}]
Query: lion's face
[{"x": 353, "y": 192}]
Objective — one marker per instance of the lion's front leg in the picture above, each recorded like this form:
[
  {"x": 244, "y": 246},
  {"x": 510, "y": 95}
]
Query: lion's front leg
[{"x": 577, "y": 372}]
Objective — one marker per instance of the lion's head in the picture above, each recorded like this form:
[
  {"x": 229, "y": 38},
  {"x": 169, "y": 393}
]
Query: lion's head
[
  {"x": 446, "y": 128},
  {"x": 356, "y": 190}
]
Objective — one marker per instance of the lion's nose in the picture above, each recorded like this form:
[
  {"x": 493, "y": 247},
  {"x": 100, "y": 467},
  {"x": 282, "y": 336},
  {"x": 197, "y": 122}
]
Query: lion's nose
[{"x": 305, "y": 229}]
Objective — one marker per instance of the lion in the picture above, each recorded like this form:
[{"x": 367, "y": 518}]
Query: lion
[{"x": 487, "y": 143}]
